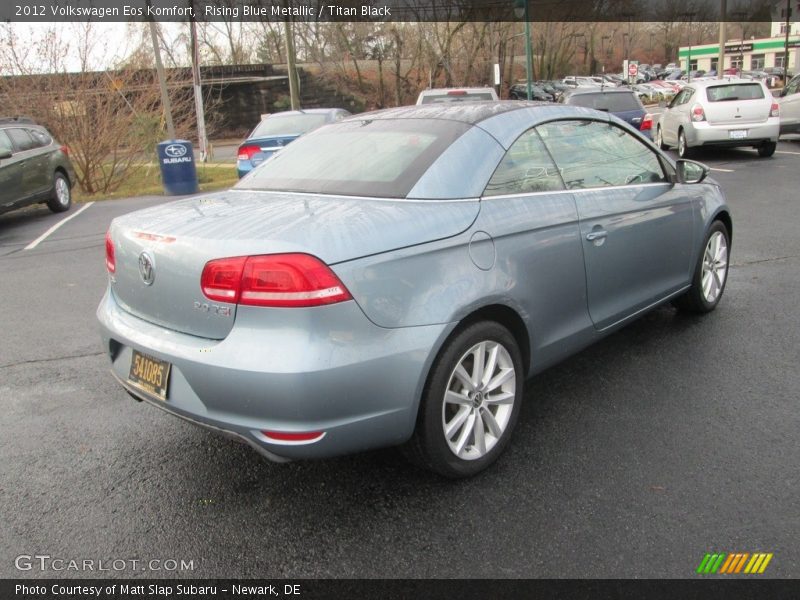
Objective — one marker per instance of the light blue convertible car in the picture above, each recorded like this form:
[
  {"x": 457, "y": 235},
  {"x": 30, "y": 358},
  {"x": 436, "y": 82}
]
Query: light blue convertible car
[{"x": 394, "y": 278}]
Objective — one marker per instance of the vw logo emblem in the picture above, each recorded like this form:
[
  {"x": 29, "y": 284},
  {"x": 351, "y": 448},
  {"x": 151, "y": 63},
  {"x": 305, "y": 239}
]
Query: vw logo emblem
[
  {"x": 175, "y": 150},
  {"x": 147, "y": 268}
]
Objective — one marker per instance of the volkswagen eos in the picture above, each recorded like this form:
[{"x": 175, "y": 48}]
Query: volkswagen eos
[{"x": 394, "y": 278}]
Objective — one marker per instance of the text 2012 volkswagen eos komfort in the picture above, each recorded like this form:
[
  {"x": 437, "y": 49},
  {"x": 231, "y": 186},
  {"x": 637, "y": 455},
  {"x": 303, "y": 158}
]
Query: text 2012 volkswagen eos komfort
[{"x": 395, "y": 277}]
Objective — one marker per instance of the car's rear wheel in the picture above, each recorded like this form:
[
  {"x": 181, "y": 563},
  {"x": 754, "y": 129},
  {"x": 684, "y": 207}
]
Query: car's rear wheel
[
  {"x": 471, "y": 402},
  {"x": 683, "y": 148},
  {"x": 61, "y": 198},
  {"x": 660, "y": 139},
  {"x": 711, "y": 272},
  {"x": 767, "y": 149}
]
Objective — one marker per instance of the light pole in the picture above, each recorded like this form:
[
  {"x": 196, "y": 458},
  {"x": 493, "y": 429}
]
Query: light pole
[{"x": 521, "y": 10}]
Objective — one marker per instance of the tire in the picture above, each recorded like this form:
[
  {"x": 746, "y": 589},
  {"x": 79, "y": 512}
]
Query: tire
[
  {"x": 61, "y": 198},
  {"x": 659, "y": 141},
  {"x": 683, "y": 149},
  {"x": 710, "y": 274},
  {"x": 767, "y": 149},
  {"x": 480, "y": 418}
]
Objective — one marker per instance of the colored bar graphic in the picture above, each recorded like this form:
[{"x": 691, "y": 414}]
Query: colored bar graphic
[
  {"x": 741, "y": 562},
  {"x": 727, "y": 564},
  {"x": 702, "y": 567},
  {"x": 765, "y": 563},
  {"x": 734, "y": 563}
]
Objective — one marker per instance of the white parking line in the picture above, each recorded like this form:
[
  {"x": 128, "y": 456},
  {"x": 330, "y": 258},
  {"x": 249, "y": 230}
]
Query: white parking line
[
  {"x": 785, "y": 152},
  {"x": 36, "y": 242},
  {"x": 722, "y": 170}
]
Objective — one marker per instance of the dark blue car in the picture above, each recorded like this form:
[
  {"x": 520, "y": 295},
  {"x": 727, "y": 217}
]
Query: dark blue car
[
  {"x": 280, "y": 129},
  {"x": 620, "y": 102}
]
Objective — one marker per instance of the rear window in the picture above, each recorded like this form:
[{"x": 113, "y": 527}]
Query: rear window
[
  {"x": 613, "y": 102},
  {"x": 288, "y": 124},
  {"x": 382, "y": 158},
  {"x": 735, "y": 91},
  {"x": 457, "y": 97}
]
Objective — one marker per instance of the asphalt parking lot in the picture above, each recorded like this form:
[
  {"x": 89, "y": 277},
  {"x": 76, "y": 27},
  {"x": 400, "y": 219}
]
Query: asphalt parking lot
[{"x": 672, "y": 438}]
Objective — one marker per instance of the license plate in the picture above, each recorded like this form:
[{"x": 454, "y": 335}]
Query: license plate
[
  {"x": 738, "y": 134},
  {"x": 149, "y": 374}
]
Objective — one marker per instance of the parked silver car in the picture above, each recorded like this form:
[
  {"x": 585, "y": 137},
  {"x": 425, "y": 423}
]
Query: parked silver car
[
  {"x": 727, "y": 112},
  {"x": 789, "y": 101},
  {"x": 396, "y": 277}
]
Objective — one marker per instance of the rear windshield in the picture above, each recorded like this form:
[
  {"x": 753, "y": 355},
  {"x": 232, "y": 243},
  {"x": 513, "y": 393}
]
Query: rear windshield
[
  {"x": 288, "y": 124},
  {"x": 735, "y": 91},
  {"x": 613, "y": 102},
  {"x": 465, "y": 97},
  {"x": 382, "y": 158}
]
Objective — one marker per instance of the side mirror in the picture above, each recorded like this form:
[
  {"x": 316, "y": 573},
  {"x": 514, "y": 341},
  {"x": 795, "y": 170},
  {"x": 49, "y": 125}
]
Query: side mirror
[
  {"x": 690, "y": 171},
  {"x": 5, "y": 153}
]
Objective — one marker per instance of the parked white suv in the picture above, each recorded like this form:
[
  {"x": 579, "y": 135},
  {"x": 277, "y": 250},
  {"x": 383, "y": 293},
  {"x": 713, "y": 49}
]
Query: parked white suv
[
  {"x": 720, "y": 112},
  {"x": 456, "y": 95},
  {"x": 790, "y": 106}
]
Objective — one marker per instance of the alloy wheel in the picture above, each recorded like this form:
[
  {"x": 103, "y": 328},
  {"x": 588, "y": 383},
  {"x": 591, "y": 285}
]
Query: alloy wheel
[
  {"x": 715, "y": 266},
  {"x": 479, "y": 400}
]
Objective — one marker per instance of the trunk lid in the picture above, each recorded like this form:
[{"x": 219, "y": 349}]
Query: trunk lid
[
  {"x": 737, "y": 103},
  {"x": 177, "y": 239}
]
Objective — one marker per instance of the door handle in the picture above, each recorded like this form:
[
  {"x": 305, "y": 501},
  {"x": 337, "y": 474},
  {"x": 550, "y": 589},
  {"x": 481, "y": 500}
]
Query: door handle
[{"x": 596, "y": 235}]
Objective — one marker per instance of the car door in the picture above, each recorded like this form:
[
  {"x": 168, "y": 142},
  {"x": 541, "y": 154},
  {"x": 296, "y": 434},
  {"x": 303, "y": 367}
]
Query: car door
[
  {"x": 790, "y": 107},
  {"x": 29, "y": 159},
  {"x": 673, "y": 116},
  {"x": 533, "y": 223},
  {"x": 10, "y": 174},
  {"x": 636, "y": 226}
]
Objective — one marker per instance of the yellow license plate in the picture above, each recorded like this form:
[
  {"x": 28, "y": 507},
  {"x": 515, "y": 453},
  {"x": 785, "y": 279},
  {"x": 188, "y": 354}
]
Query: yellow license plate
[{"x": 149, "y": 374}]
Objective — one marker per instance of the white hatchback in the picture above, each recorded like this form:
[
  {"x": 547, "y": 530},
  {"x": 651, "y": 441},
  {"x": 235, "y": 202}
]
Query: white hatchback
[
  {"x": 720, "y": 112},
  {"x": 475, "y": 94}
]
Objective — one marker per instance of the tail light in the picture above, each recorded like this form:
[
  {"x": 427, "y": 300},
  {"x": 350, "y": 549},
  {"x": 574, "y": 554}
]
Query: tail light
[
  {"x": 698, "y": 114},
  {"x": 247, "y": 152},
  {"x": 647, "y": 122},
  {"x": 64, "y": 149},
  {"x": 276, "y": 280},
  {"x": 775, "y": 110},
  {"x": 457, "y": 93},
  {"x": 111, "y": 261}
]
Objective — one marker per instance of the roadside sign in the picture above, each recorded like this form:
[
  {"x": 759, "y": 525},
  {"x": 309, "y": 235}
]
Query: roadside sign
[{"x": 633, "y": 69}]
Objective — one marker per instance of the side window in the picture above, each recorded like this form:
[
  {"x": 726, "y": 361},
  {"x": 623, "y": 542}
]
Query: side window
[
  {"x": 39, "y": 137},
  {"x": 591, "y": 154},
  {"x": 5, "y": 143},
  {"x": 22, "y": 141},
  {"x": 526, "y": 168}
]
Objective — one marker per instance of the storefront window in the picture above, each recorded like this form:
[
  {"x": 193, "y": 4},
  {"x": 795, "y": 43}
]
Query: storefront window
[{"x": 756, "y": 62}]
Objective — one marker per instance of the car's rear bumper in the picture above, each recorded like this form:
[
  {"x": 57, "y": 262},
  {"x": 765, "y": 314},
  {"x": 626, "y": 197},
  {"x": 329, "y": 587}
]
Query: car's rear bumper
[
  {"x": 705, "y": 134},
  {"x": 333, "y": 372}
]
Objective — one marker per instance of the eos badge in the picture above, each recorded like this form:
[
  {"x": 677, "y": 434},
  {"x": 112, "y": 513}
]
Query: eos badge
[{"x": 175, "y": 150}]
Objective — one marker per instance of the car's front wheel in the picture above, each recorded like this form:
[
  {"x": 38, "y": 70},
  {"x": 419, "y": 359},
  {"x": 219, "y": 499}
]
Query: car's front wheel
[
  {"x": 61, "y": 198},
  {"x": 471, "y": 402},
  {"x": 711, "y": 272}
]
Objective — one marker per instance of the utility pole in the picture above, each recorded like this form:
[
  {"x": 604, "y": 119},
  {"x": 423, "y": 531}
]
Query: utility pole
[
  {"x": 162, "y": 81},
  {"x": 721, "y": 59},
  {"x": 294, "y": 84},
  {"x": 786, "y": 45},
  {"x": 198, "y": 95},
  {"x": 521, "y": 10}
]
